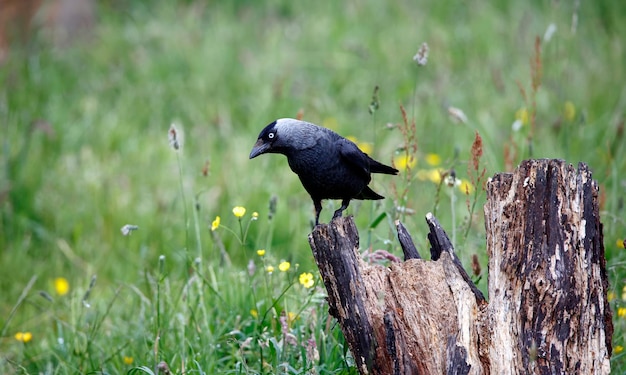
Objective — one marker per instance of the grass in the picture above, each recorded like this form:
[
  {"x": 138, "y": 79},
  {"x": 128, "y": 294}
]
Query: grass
[{"x": 85, "y": 151}]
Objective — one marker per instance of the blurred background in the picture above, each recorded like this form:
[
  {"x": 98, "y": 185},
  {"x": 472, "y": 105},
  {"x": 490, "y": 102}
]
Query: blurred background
[{"x": 91, "y": 90}]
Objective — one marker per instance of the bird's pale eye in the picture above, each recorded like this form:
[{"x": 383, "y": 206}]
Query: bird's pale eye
[{"x": 270, "y": 136}]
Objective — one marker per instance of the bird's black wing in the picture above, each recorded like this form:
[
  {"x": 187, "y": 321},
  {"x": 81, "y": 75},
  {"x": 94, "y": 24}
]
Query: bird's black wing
[
  {"x": 378, "y": 167},
  {"x": 355, "y": 158}
]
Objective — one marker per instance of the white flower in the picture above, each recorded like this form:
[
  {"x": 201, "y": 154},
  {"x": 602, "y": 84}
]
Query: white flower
[{"x": 128, "y": 229}]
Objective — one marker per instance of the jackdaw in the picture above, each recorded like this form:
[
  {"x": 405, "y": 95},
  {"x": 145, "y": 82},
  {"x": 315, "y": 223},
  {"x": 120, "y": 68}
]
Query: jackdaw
[{"x": 328, "y": 165}]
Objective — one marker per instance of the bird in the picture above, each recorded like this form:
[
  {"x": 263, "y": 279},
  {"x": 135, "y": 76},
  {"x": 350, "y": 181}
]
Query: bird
[{"x": 329, "y": 166}]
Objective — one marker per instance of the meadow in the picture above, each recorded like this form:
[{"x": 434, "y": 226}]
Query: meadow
[{"x": 136, "y": 235}]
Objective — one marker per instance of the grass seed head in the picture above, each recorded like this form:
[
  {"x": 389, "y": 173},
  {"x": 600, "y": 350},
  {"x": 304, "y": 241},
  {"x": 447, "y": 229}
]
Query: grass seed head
[{"x": 421, "y": 57}]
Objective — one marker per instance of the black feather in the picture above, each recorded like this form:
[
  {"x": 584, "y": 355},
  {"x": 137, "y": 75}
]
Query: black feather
[
  {"x": 328, "y": 165},
  {"x": 377, "y": 167}
]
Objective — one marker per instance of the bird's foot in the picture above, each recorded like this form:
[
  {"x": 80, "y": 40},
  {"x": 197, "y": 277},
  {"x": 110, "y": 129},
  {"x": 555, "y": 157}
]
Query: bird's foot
[{"x": 337, "y": 214}]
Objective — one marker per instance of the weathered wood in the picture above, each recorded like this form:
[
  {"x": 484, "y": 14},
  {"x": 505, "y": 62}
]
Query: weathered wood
[
  {"x": 547, "y": 272},
  {"x": 440, "y": 242},
  {"x": 406, "y": 242},
  {"x": 336, "y": 244},
  {"x": 401, "y": 319},
  {"x": 548, "y": 312}
]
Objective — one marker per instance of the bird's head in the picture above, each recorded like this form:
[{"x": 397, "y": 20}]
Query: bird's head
[
  {"x": 283, "y": 136},
  {"x": 265, "y": 143}
]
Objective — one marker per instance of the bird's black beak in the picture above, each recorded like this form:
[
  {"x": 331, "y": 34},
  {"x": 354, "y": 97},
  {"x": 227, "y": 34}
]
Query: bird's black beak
[{"x": 259, "y": 148}]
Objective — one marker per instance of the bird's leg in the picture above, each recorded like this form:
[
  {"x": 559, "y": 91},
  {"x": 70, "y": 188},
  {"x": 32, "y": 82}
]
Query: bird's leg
[
  {"x": 344, "y": 205},
  {"x": 318, "y": 209}
]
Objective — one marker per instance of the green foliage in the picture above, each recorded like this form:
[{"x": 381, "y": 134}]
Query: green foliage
[{"x": 85, "y": 152}]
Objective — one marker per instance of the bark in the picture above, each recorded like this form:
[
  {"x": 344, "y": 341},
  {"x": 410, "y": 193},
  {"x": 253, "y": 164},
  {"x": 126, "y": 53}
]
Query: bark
[
  {"x": 547, "y": 314},
  {"x": 547, "y": 271}
]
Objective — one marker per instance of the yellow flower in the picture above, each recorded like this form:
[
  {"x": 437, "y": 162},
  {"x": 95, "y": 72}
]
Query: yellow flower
[
  {"x": 621, "y": 312},
  {"x": 260, "y": 252},
  {"x": 24, "y": 337},
  {"x": 306, "y": 279},
  {"x": 466, "y": 187},
  {"x": 128, "y": 360},
  {"x": 610, "y": 296},
  {"x": 432, "y": 175},
  {"x": 620, "y": 243},
  {"x": 254, "y": 313},
  {"x": 522, "y": 115},
  {"x": 433, "y": 159},
  {"x": 239, "y": 211},
  {"x": 61, "y": 286},
  {"x": 284, "y": 266},
  {"x": 255, "y": 215},
  {"x": 404, "y": 161},
  {"x": 291, "y": 317},
  {"x": 624, "y": 293},
  {"x": 569, "y": 111},
  {"x": 618, "y": 349},
  {"x": 216, "y": 223},
  {"x": 269, "y": 269}
]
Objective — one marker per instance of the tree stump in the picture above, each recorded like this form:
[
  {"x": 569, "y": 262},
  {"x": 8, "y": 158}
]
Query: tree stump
[{"x": 547, "y": 311}]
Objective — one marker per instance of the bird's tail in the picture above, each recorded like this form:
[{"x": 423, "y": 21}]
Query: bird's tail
[
  {"x": 377, "y": 167},
  {"x": 368, "y": 193}
]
